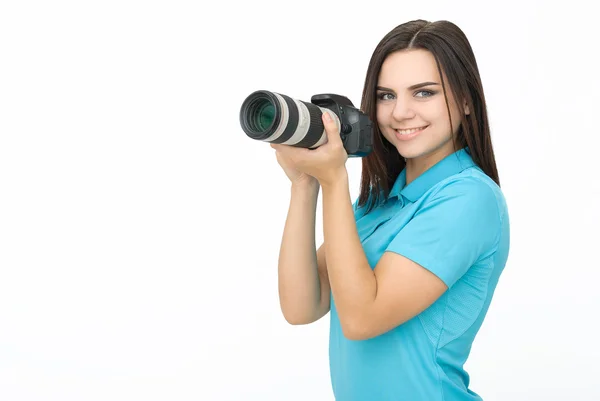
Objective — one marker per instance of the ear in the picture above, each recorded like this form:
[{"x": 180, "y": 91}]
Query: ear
[{"x": 467, "y": 110}]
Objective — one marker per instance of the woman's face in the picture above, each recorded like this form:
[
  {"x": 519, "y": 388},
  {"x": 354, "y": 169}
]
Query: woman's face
[{"x": 411, "y": 108}]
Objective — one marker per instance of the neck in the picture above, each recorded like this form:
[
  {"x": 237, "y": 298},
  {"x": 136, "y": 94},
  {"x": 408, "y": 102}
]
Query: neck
[
  {"x": 418, "y": 165},
  {"x": 414, "y": 168}
]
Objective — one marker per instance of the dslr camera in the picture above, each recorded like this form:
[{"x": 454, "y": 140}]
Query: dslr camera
[{"x": 276, "y": 118}]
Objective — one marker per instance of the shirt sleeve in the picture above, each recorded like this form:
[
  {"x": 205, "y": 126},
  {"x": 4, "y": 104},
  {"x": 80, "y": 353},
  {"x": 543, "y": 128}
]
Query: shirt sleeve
[{"x": 452, "y": 230}]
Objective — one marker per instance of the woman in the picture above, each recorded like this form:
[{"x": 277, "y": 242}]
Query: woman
[{"x": 409, "y": 269}]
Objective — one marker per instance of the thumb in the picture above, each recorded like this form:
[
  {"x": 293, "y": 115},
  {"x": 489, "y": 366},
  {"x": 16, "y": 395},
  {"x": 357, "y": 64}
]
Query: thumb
[{"x": 331, "y": 128}]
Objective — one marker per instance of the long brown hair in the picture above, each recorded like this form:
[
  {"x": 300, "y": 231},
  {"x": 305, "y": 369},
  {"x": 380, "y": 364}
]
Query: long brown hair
[{"x": 454, "y": 55}]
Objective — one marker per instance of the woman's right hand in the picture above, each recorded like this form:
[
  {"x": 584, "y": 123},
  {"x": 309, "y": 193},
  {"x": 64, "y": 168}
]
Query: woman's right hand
[{"x": 296, "y": 177}]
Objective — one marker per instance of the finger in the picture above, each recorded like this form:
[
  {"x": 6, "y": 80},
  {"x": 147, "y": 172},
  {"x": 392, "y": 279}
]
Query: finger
[
  {"x": 332, "y": 129},
  {"x": 291, "y": 151}
]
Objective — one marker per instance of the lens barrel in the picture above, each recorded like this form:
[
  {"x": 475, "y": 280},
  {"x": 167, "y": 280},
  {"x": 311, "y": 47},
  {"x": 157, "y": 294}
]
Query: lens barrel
[{"x": 276, "y": 118}]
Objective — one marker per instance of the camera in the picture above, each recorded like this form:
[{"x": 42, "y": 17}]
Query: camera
[{"x": 276, "y": 118}]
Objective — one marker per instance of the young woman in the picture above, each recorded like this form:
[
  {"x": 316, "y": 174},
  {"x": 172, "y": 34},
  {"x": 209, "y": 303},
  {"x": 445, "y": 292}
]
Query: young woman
[{"x": 408, "y": 270}]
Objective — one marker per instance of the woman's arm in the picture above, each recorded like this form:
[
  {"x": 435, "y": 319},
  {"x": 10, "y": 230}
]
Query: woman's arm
[
  {"x": 369, "y": 301},
  {"x": 302, "y": 271}
]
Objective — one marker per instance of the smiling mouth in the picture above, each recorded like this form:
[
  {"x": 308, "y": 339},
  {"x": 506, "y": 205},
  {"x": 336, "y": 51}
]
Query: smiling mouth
[{"x": 410, "y": 130}]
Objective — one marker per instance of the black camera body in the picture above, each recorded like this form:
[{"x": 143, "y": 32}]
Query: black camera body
[{"x": 356, "y": 129}]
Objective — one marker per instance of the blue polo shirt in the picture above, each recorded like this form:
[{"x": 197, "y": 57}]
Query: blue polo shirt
[{"x": 453, "y": 221}]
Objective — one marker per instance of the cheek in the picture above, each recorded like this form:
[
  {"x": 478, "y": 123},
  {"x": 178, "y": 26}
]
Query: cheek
[
  {"x": 456, "y": 119},
  {"x": 381, "y": 116},
  {"x": 438, "y": 115},
  {"x": 442, "y": 114}
]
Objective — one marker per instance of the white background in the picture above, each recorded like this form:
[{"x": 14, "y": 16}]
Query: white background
[{"x": 140, "y": 227}]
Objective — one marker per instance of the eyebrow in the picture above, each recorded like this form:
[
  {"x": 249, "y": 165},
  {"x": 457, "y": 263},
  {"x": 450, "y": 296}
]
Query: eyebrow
[{"x": 412, "y": 87}]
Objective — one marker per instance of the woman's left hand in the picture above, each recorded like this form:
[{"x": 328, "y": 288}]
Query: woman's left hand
[{"x": 327, "y": 163}]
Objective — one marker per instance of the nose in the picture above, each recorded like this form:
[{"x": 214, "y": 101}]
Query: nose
[{"x": 402, "y": 110}]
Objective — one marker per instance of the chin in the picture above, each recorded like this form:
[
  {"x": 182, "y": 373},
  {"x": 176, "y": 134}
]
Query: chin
[
  {"x": 416, "y": 150},
  {"x": 409, "y": 151}
]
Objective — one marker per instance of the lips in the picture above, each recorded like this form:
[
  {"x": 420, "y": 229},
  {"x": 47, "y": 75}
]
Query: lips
[{"x": 409, "y": 131}]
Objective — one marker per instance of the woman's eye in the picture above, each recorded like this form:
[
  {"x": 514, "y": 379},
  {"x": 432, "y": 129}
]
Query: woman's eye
[
  {"x": 424, "y": 93},
  {"x": 385, "y": 96}
]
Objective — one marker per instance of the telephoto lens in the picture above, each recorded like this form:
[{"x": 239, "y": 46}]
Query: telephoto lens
[{"x": 275, "y": 118}]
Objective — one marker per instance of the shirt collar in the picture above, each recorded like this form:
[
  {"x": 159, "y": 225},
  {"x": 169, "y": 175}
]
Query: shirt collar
[{"x": 448, "y": 166}]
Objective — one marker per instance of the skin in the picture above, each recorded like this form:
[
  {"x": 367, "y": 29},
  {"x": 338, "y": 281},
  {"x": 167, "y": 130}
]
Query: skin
[
  {"x": 400, "y": 107},
  {"x": 369, "y": 301}
]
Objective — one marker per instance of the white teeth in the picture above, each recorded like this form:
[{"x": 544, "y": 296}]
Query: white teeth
[{"x": 408, "y": 131}]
